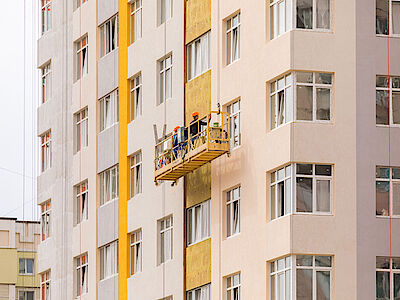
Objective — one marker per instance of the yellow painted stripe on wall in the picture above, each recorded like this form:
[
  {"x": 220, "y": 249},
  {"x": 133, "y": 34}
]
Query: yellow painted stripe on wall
[{"x": 123, "y": 148}]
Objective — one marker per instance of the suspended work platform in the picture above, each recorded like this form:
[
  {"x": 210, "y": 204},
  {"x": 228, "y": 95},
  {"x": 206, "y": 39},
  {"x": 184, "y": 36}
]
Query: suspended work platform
[{"x": 191, "y": 147}]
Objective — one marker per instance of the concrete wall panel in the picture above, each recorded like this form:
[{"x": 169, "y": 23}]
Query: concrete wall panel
[
  {"x": 107, "y": 71},
  {"x": 107, "y": 223},
  {"x": 106, "y": 9},
  {"x": 107, "y": 147},
  {"x": 108, "y": 288}
]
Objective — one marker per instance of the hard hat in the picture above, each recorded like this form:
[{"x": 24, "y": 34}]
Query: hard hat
[
  {"x": 176, "y": 128},
  {"x": 195, "y": 114}
]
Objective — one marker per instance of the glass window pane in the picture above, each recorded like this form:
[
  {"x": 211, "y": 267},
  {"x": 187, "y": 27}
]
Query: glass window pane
[
  {"x": 382, "y": 81},
  {"x": 304, "y": 169},
  {"x": 396, "y": 173},
  {"x": 383, "y": 285},
  {"x": 305, "y": 103},
  {"x": 323, "y": 14},
  {"x": 323, "y": 104},
  {"x": 381, "y": 17},
  {"x": 288, "y": 15},
  {"x": 281, "y": 286},
  {"x": 273, "y": 112},
  {"x": 281, "y": 9},
  {"x": 396, "y": 263},
  {"x": 323, "y": 78},
  {"x": 323, "y": 261},
  {"x": 396, "y": 286},
  {"x": 396, "y": 17},
  {"x": 304, "y": 199},
  {"x": 304, "y": 260},
  {"x": 273, "y": 297},
  {"x": 304, "y": 286},
  {"x": 396, "y": 106},
  {"x": 272, "y": 22},
  {"x": 383, "y": 262},
  {"x": 382, "y": 198},
  {"x": 304, "y": 14},
  {"x": 273, "y": 202},
  {"x": 325, "y": 170},
  {"x": 396, "y": 198},
  {"x": 382, "y": 107},
  {"x": 323, "y": 196},
  {"x": 304, "y": 77},
  {"x": 382, "y": 172},
  {"x": 323, "y": 285}
]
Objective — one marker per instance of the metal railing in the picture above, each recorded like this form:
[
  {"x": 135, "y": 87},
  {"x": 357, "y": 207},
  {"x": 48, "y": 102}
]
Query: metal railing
[{"x": 213, "y": 129}]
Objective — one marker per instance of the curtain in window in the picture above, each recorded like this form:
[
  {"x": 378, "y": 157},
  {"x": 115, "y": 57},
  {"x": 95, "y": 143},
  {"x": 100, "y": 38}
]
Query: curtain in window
[
  {"x": 281, "y": 108},
  {"x": 204, "y": 53},
  {"x": 396, "y": 17},
  {"x": 114, "y": 187},
  {"x": 84, "y": 279},
  {"x": 381, "y": 17},
  {"x": 382, "y": 198},
  {"x": 304, "y": 194},
  {"x": 323, "y": 104},
  {"x": 323, "y": 282},
  {"x": 138, "y": 257},
  {"x": 197, "y": 223},
  {"x": 84, "y": 206},
  {"x": 197, "y": 58},
  {"x": 304, "y": 103},
  {"x": 107, "y": 186},
  {"x": 107, "y": 111},
  {"x": 383, "y": 285},
  {"x": 323, "y": 14},
  {"x": 235, "y": 44},
  {"x": 382, "y": 107},
  {"x": 304, "y": 14},
  {"x": 84, "y": 61},
  {"x": 281, "y": 17},
  {"x": 396, "y": 107},
  {"x": 236, "y": 217},
  {"x": 206, "y": 220},
  {"x": 304, "y": 284},
  {"x": 108, "y": 261},
  {"x": 168, "y": 246},
  {"x": 396, "y": 198},
  {"x": 168, "y": 83},
  {"x": 138, "y": 21},
  {"x": 323, "y": 195}
]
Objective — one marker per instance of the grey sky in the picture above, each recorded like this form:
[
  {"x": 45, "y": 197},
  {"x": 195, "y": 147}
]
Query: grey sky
[{"x": 12, "y": 112}]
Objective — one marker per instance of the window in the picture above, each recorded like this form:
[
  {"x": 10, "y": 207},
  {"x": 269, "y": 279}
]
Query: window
[
  {"x": 281, "y": 279},
  {"x": 233, "y": 212},
  {"x": 233, "y": 39},
  {"x": 312, "y": 100},
  {"x": 136, "y": 20},
  {"x": 136, "y": 97},
  {"x": 281, "y": 191},
  {"x": 233, "y": 287},
  {"x": 81, "y": 274},
  {"x": 280, "y": 15},
  {"x": 235, "y": 132},
  {"x": 81, "y": 57},
  {"x": 26, "y": 266},
  {"x": 165, "y": 10},
  {"x": 45, "y": 285},
  {"x": 81, "y": 212},
  {"x": 136, "y": 174},
  {"x": 46, "y": 15},
  {"x": 45, "y": 150},
  {"x": 382, "y": 25},
  {"x": 313, "y": 188},
  {"x": 80, "y": 2},
  {"x": 198, "y": 222},
  {"x": 312, "y": 277},
  {"x": 387, "y": 278},
  {"x": 165, "y": 238},
  {"x": 109, "y": 110},
  {"x": 26, "y": 295},
  {"x": 109, "y": 36},
  {"x": 109, "y": 260},
  {"x": 136, "y": 252},
  {"x": 165, "y": 79},
  {"x": 45, "y": 211},
  {"x": 201, "y": 293},
  {"x": 109, "y": 185},
  {"x": 198, "y": 56},
  {"x": 387, "y": 92},
  {"x": 81, "y": 127},
  {"x": 46, "y": 83},
  {"x": 313, "y": 14},
  {"x": 387, "y": 191}
]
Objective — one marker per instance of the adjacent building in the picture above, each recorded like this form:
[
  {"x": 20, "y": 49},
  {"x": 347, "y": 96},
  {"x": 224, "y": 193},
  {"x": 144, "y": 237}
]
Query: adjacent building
[
  {"x": 209, "y": 149},
  {"x": 19, "y": 241}
]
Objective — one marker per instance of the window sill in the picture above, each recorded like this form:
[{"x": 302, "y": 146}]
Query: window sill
[
  {"x": 101, "y": 57},
  {"x": 108, "y": 202},
  {"x": 387, "y": 35},
  {"x": 111, "y": 126},
  {"x": 232, "y": 63},
  {"x": 45, "y": 33},
  {"x": 109, "y": 277},
  {"x": 313, "y": 30},
  {"x": 197, "y": 76},
  {"x": 197, "y": 242},
  {"x": 303, "y": 214},
  {"x": 303, "y": 122},
  {"x": 387, "y": 217},
  {"x": 236, "y": 148},
  {"x": 387, "y": 126},
  {"x": 232, "y": 236}
]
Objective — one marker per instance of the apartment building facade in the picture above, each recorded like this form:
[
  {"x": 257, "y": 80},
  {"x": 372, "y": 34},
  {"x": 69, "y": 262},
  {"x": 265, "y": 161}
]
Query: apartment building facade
[
  {"x": 19, "y": 278},
  {"x": 305, "y": 203}
]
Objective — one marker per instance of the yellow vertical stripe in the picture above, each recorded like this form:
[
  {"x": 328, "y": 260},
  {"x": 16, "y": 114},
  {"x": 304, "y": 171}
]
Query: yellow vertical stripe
[{"x": 123, "y": 148}]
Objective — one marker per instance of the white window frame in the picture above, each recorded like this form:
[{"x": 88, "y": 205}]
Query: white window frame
[
  {"x": 111, "y": 174},
  {"x": 107, "y": 43},
  {"x": 165, "y": 10},
  {"x": 198, "y": 229},
  {"x": 283, "y": 175},
  {"x": 136, "y": 20},
  {"x": 110, "y": 117},
  {"x": 289, "y": 87},
  {"x": 165, "y": 65},
  {"x": 390, "y": 90},
  {"x": 45, "y": 285},
  {"x": 81, "y": 209},
  {"x": 235, "y": 140},
  {"x": 275, "y": 17},
  {"x": 81, "y": 284},
  {"x": 46, "y": 15},
  {"x": 82, "y": 57},
  {"x": 81, "y": 129},
  {"x": 23, "y": 295},
  {"x": 198, "y": 53},
  {"x": 200, "y": 293},
  {"x": 314, "y": 187},
  {"x": 234, "y": 22},
  {"x": 136, "y": 97},
  {"x": 136, "y": 174},
  {"x": 136, "y": 247},
  {"x": 230, "y": 201},
  {"x": 165, "y": 226},
  {"x": 108, "y": 260},
  {"x": 25, "y": 260},
  {"x": 314, "y": 21},
  {"x": 45, "y": 217},
  {"x": 45, "y": 150},
  {"x": 390, "y": 21},
  {"x": 46, "y": 83},
  {"x": 230, "y": 290},
  {"x": 281, "y": 269},
  {"x": 391, "y": 180},
  {"x": 392, "y": 271}
]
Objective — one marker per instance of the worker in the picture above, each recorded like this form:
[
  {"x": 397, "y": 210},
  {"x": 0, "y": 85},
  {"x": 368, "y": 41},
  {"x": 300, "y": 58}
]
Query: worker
[
  {"x": 175, "y": 143},
  {"x": 194, "y": 125}
]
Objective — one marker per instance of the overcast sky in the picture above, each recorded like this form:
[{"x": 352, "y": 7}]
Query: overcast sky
[{"x": 12, "y": 110}]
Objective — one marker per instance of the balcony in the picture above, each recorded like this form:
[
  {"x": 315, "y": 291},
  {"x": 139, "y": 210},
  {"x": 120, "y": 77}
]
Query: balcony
[{"x": 191, "y": 147}]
